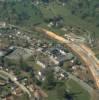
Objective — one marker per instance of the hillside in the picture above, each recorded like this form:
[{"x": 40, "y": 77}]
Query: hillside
[
  {"x": 83, "y": 13},
  {"x": 86, "y": 9},
  {"x": 20, "y": 12}
]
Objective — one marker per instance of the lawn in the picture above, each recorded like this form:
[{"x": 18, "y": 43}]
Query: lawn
[
  {"x": 77, "y": 89},
  {"x": 74, "y": 88}
]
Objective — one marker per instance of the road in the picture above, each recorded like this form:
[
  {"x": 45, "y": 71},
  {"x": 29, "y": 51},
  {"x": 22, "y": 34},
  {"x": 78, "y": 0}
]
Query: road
[
  {"x": 13, "y": 79},
  {"x": 81, "y": 50},
  {"x": 86, "y": 55},
  {"x": 80, "y": 82}
]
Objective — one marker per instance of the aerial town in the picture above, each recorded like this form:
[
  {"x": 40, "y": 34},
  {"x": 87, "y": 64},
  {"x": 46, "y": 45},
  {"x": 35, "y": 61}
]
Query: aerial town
[{"x": 47, "y": 60}]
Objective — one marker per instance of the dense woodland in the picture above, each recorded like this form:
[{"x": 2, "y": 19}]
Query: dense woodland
[{"x": 23, "y": 10}]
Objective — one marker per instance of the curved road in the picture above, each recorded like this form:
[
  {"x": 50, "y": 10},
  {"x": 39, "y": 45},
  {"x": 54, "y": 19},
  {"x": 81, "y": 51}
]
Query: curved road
[
  {"x": 13, "y": 79},
  {"x": 81, "y": 50}
]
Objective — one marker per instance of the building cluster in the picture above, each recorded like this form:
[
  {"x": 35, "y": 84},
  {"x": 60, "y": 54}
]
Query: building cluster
[{"x": 18, "y": 47}]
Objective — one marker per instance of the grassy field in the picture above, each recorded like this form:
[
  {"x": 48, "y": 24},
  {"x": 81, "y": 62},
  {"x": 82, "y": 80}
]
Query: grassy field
[
  {"x": 80, "y": 93},
  {"x": 75, "y": 88}
]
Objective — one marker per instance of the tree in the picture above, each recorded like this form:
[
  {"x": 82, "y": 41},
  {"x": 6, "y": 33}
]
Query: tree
[
  {"x": 63, "y": 1},
  {"x": 45, "y": 1},
  {"x": 23, "y": 65},
  {"x": 61, "y": 90},
  {"x": 23, "y": 16},
  {"x": 49, "y": 82}
]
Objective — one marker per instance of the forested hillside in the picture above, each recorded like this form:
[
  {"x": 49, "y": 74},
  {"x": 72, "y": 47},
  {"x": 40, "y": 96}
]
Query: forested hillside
[
  {"x": 30, "y": 12},
  {"x": 85, "y": 9},
  {"x": 19, "y": 12}
]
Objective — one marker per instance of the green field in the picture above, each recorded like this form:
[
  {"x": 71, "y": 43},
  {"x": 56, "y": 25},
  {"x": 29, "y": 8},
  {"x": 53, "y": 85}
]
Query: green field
[{"x": 73, "y": 87}]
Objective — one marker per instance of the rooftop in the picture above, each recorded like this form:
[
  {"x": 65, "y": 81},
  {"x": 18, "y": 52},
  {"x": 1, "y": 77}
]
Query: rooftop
[{"x": 20, "y": 52}]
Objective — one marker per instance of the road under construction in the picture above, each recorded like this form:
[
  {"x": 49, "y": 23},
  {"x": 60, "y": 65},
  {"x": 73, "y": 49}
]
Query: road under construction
[{"x": 84, "y": 53}]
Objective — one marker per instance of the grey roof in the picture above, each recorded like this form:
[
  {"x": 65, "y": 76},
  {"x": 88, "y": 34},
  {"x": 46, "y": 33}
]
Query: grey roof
[
  {"x": 20, "y": 52},
  {"x": 66, "y": 57}
]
